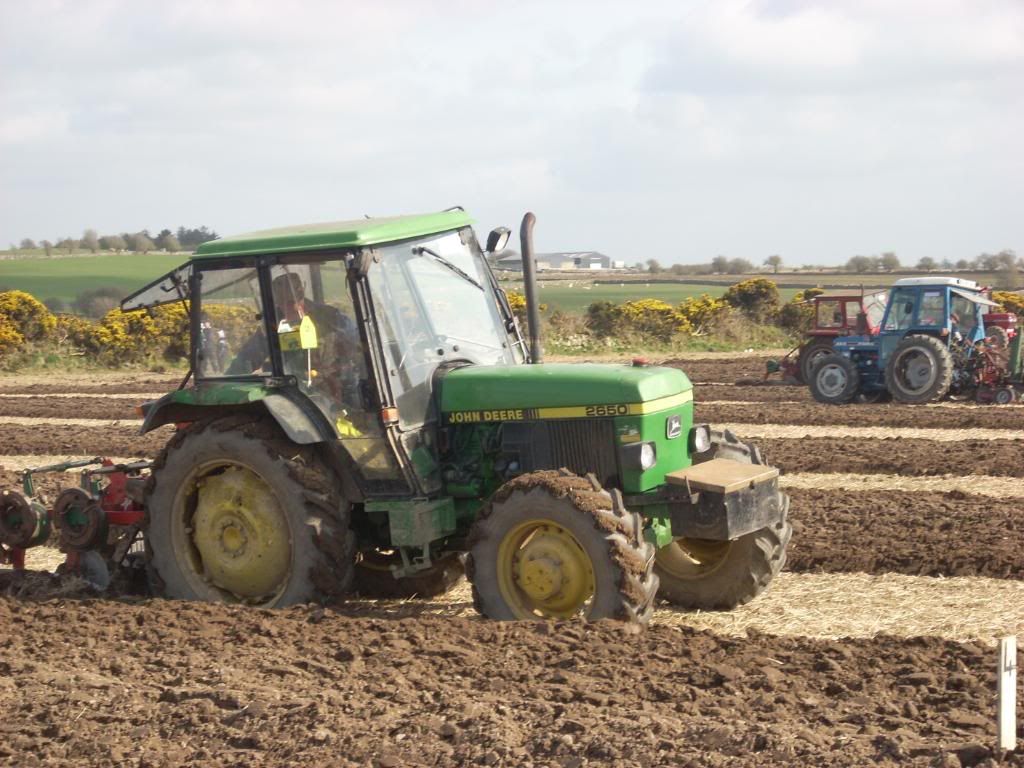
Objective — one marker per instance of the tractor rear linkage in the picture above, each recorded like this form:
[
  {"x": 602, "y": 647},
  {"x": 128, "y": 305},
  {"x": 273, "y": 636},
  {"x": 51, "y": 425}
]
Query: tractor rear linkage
[{"x": 102, "y": 515}]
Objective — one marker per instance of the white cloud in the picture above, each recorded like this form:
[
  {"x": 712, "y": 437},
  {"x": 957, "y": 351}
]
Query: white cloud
[{"x": 815, "y": 130}]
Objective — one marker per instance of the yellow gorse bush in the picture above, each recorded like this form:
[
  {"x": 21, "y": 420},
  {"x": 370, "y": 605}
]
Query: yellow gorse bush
[
  {"x": 10, "y": 339},
  {"x": 1011, "y": 302},
  {"x": 28, "y": 316}
]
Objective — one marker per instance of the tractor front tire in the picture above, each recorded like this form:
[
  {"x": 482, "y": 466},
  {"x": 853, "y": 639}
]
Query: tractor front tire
[
  {"x": 235, "y": 512},
  {"x": 375, "y": 580},
  {"x": 553, "y": 545},
  {"x": 815, "y": 349},
  {"x": 920, "y": 370},
  {"x": 721, "y": 575},
  {"x": 834, "y": 380}
]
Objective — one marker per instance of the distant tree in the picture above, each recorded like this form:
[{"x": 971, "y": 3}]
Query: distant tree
[
  {"x": 963, "y": 264},
  {"x": 927, "y": 263},
  {"x": 170, "y": 243},
  {"x": 739, "y": 267},
  {"x": 55, "y": 304},
  {"x": 193, "y": 238},
  {"x": 774, "y": 261},
  {"x": 639, "y": 267},
  {"x": 141, "y": 243},
  {"x": 28, "y": 244},
  {"x": 874, "y": 263},
  {"x": 677, "y": 269},
  {"x": 947, "y": 265},
  {"x": 68, "y": 243},
  {"x": 48, "y": 247},
  {"x": 112, "y": 243},
  {"x": 97, "y": 302},
  {"x": 858, "y": 264},
  {"x": 91, "y": 240},
  {"x": 653, "y": 266},
  {"x": 719, "y": 265},
  {"x": 889, "y": 261}
]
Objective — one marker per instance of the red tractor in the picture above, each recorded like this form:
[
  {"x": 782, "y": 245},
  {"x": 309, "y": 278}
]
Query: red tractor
[{"x": 835, "y": 314}]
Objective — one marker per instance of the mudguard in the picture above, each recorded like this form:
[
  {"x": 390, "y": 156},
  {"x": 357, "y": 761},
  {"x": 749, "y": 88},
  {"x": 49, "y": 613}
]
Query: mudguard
[{"x": 300, "y": 420}]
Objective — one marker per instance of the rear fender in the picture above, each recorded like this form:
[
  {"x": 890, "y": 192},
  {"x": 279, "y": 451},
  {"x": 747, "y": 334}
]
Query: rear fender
[{"x": 297, "y": 417}]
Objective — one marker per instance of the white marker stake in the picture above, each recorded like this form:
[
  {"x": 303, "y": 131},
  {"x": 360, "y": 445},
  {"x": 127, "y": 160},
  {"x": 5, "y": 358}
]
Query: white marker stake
[{"x": 1007, "y": 722}]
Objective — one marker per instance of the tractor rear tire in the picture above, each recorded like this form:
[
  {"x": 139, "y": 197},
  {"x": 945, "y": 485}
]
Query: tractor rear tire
[
  {"x": 373, "y": 577},
  {"x": 713, "y": 575},
  {"x": 920, "y": 370},
  {"x": 1000, "y": 338},
  {"x": 815, "y": 349},
  {"x": 834, "y": 380},
  {"x": 274, "y": 528},
  {"x": 553, "y": 545}
]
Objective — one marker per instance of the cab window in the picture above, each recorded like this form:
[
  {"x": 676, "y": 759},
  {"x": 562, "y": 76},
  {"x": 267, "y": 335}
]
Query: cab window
[
  {"x": 231, "y": 339},
  {"x": 830, "y": 314},
  {"x": 901, "y": 310},
  {"x": 933, "y": 308}
]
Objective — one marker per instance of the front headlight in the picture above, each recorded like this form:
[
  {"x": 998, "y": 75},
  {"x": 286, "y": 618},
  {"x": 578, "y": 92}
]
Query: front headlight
[
  {"x": 700, "y": 438},
  {"x": 641, "y": 456},
  {"x": 648, "y": 456}
]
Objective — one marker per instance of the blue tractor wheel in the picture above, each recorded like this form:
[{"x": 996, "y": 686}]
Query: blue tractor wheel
[
  {"x": 920, "y": 370},
  {"x": 834, "y": 380}
]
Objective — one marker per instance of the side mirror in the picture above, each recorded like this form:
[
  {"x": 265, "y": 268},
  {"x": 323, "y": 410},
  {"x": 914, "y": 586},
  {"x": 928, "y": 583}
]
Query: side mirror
[{"x": 498, "y": 239}]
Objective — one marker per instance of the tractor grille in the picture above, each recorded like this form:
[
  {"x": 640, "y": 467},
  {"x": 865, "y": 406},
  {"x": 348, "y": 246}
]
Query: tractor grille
[{"x": 585, "y": 445}]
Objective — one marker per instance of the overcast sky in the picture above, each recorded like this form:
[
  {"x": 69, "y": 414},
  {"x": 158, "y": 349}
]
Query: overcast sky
[{"x": 678, "y": 130}]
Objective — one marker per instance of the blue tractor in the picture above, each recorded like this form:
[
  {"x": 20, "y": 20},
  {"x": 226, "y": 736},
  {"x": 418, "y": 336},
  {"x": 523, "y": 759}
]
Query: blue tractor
[{"x": 931, "y": 334}]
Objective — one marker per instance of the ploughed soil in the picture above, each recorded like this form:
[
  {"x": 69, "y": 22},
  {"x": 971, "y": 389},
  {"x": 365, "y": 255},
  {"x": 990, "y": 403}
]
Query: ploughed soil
[
  {"x": 699, "y": 371},
  {"x": 109, "y": 383},
  {"x": 101, "y": 440},
  {"x": 920, "y": 534},
  {"x": 878, "y": 415},
  {"x": 71, "y": 407},
  {"x": 896, "y": 456},
  {"x": 163, "y": 683}
]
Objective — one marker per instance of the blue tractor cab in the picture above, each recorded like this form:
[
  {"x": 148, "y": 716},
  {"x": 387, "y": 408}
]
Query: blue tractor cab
[{"x": 930, "y": 328}]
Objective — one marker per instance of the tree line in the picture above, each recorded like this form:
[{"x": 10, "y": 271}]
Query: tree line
[
  {"x": 1003, "y": 261},
  {"x": 183, "y": 239}
]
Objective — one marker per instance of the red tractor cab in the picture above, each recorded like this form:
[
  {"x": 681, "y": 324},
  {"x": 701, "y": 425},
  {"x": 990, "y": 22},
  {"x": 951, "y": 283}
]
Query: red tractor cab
[{"x": 835, "y": 314}]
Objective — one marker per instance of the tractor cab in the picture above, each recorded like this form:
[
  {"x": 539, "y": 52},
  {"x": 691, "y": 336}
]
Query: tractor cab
[
  {"x": 341, "y": 343},
  {"x": 929, "y": 330}
]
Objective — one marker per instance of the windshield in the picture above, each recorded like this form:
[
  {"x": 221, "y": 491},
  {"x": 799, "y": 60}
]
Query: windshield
[{"x": 434, "y": 302}]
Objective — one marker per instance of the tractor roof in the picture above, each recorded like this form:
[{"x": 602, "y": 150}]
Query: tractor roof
[
  {"x": 335, "y": 234},
  {"x": 956, "y": 282}
]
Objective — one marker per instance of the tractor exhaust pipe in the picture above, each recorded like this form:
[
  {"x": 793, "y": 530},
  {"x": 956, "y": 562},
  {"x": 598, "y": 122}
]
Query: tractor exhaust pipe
[{"x": 530, "y": 285}]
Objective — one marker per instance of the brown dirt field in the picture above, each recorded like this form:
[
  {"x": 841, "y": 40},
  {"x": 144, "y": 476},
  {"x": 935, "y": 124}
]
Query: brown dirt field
[
  {"x": 722, "y": 370},
  {"x": 1002, "y": 458},
  {"x": 70, "y": 407},
  {"x": 100, "y": 440},
  {"x": 214, "y": 685},
  {"x": 887, "y": 415},
  {"x": 100, "y": 382},
  {"x": 771, "y": 393},
  {"x": 920, "y": 534}
]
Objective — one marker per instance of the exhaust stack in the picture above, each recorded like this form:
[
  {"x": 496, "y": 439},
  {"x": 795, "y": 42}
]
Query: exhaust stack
[{"x": 530, "y": 285}]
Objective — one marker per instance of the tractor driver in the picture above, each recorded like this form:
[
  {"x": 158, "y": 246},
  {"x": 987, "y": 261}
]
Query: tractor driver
[{"x": 337, "y": 352}]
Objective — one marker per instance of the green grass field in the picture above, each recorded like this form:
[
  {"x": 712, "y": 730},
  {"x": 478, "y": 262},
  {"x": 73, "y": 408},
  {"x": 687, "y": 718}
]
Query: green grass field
[{"x": 67, "y": 278}]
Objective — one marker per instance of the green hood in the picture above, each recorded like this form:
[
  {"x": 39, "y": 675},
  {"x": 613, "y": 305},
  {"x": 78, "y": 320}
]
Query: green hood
[{"x": 556, "y": 385}]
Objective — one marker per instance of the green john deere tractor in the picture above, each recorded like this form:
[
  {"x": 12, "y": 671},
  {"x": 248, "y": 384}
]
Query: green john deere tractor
[{"x": 364, "y": 413}]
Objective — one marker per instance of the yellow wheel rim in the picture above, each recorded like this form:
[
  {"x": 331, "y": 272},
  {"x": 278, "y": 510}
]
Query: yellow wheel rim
[
  {"x": 692, "y": 558},
  {"x": 240, "y": 535},
  {"x": 543, "y": 571}
]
